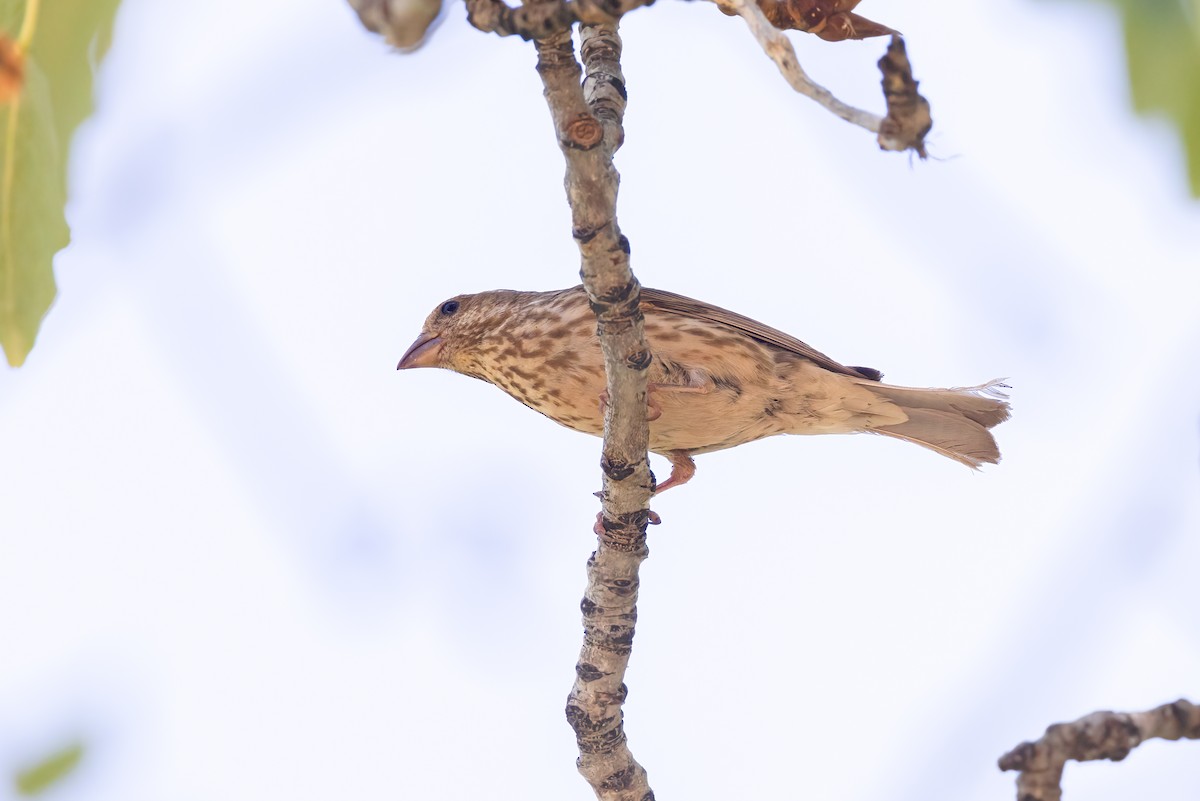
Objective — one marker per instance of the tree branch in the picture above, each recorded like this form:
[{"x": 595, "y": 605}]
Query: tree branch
[
  {"x": 587, "y": 119},
  {"x": 779, "y": 48},
  {"x": 902, "y": 129},
  {"x": 543, "y": 19},
  {"x": 1100, "y": 735}
]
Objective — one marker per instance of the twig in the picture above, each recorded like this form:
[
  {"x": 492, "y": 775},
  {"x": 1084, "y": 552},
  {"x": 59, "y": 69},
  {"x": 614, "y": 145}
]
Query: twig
[
  {"x": 779, "y": 48},
  {"x": 1100, "y": 735},
  {"x": 908, "y": 118},
  {"x": 587, "y": 120},
  {"x": 541, "y": 20}
]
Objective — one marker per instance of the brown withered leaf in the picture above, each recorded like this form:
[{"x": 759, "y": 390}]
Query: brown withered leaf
[
  {"x": 832, "y": 20},
  {"x": 12, "y": 69},
  {"x": 405, "y": 24}
]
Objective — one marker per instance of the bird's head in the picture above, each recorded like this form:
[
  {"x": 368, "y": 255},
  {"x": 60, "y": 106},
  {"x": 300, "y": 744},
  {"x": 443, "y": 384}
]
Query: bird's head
[{"x": 453, "y": 332}]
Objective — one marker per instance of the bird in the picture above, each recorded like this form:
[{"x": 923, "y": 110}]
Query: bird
[{"x": 717, "y": 379}]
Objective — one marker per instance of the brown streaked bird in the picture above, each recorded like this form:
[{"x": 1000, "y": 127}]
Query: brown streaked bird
[{"x": 717, "y": 379}]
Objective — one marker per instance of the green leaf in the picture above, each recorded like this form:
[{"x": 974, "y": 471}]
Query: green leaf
[
  {"x": 1162, "y": 41},
  {"x": 48, "y": 53},
  {"x": 40, "y": 777}
]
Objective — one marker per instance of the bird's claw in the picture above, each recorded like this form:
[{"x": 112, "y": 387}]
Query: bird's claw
[
  {"x": 682, "y": 470},
  {"x": 653, "y": 410}
]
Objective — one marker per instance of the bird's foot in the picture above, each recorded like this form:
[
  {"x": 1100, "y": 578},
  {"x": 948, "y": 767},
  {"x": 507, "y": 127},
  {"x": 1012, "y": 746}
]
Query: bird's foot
[
  {"x": 653, "y": 409},
  {"x": 682, "y": 470}
]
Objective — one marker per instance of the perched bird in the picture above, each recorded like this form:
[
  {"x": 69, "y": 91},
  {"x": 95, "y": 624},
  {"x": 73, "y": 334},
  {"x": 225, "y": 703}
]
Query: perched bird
[{"x": 717, "y": 379}]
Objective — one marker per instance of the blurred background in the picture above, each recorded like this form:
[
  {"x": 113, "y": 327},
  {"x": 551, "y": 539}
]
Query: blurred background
[{"x": 242, "y": 557}]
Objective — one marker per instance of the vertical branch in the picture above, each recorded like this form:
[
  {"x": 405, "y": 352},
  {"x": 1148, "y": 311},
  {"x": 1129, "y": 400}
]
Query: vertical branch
[{"x": 587, "y": 119}]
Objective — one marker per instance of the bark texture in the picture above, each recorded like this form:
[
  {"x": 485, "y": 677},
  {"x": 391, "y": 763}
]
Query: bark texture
[
  {"x": 540, "y": 20},
  {"x": 1100, "y": 735},
  {"x": 588, "y": 122}
]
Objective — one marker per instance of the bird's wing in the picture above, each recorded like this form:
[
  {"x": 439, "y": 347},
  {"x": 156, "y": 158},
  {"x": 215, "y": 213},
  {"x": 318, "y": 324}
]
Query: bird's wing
[{"x": 678, "y": 304}]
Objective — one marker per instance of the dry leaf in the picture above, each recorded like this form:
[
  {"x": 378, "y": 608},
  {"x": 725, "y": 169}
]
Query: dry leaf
[
  {"x": 832, "y": 20},
  {"x": 405, "y": 24},
  {"x": 908, "y": 119}
]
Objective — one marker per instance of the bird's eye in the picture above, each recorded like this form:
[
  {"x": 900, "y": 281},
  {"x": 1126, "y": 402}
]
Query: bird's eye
[{"x": 449, "y": 307}]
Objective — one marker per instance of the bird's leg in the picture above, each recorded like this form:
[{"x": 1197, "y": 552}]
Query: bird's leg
[
  {"x": 682, "y": 470},
  {"x": 653, "y": 410}
]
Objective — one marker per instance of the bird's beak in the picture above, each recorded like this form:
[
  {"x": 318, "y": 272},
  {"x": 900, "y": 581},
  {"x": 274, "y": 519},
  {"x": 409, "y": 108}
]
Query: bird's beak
[{"x": 423, "y": 353}]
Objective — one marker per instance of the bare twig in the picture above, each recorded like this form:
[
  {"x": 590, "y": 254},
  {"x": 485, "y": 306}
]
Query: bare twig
[
  {"x": 776, "y": 45},
  {"x": 908, "y": 117},
  {"x": 542, "y": 19},
  {"x": 587, "y": 120},
  {"x": 1100, "y": 735}
]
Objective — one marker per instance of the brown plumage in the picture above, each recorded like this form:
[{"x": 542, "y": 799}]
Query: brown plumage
[{"x": 717, "y": 379}]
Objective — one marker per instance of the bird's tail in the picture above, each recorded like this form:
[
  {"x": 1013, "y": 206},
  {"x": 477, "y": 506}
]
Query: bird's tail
[{"x": 954, "y": 422}]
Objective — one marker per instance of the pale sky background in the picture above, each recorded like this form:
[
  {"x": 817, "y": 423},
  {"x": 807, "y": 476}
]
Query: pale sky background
[{"x": 243, "y": 558}]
